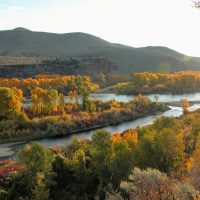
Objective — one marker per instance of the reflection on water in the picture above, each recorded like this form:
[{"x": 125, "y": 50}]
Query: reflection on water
[
  {"x": 162, "y": 97},
  {"x": 126, "y": 98},
  {"x": 174, "y": 112}
]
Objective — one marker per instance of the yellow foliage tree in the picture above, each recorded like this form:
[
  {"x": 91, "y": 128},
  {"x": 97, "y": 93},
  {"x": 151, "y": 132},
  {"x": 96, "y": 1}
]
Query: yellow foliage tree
[{"x": 10, "y": 101}]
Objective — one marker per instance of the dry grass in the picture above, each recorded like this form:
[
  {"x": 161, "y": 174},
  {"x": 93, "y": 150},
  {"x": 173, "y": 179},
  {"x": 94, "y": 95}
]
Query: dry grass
[{"x": 7, "y": 60}]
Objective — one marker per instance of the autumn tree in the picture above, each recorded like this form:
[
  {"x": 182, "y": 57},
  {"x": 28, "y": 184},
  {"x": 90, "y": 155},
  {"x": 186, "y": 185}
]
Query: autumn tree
[
  {"x": 185, "y": 106},
  {"x": 195, "y": 134},
  {"x": 10, "y": 101},
  {"x": 153, "y": 184},
  {"x": 63, "y": 84},
  {"x": 45, "y": 101},
  {"x": 71, "y": 96},
  {"x": 61, "y": 103},
  {"x": 148, "y": 184},
  {"x": 141, "y": 102},
  {"x": 74, "y": 95}
]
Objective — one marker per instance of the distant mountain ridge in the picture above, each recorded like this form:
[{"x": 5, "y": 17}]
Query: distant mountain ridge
[{"x": 24, "y": 42}]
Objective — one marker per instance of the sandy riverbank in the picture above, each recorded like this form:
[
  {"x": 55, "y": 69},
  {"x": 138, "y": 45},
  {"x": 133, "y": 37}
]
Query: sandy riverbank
[{"x": 6, "y": 150}]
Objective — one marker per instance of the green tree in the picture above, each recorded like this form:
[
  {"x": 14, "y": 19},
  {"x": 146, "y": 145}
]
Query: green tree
[
  {"x": 75, "y": 178},
  {"x": 169, "y": 150},
  {"x": 38, "y": 176},
  {"x": 61, "y": 103},
  {"x": 101, "y": 156},
  {"x": 3, "y": 195},
  {"x": 36, "y": 158},
  {"x": 87, "y": 104},
  {"x": 102, "y": 79},
  {"x": 163, "y": 150},
  {"x": 122, "y": 162},
  {"x": 85, "y": 98}
]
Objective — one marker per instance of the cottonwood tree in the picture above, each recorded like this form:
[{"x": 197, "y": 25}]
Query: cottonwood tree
[
  {"x": 10, "y": 101},
  {"x": 35, "y": 181}
]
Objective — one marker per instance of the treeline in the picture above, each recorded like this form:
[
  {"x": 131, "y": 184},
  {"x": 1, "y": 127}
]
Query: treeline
[
  {"x": 146, "y": 82},
  {"x": 50, "y": 115},
  {"x": 159, "y": 161},
  {"x": 60, "y": 61},
  {"x": 63, "y": 84},
  {"x": 109, "y": 79}
]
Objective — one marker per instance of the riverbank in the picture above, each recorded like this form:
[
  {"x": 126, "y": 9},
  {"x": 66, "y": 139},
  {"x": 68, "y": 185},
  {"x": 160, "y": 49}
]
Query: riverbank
[
  {"x": 115, "y": 119},
  {"x": 179, "y": 103},
  {"x": 121, "y": 89},
  {"x": 6, "y": 150},
  {"x": 6, "y": 147},
  {"x": 120, "y": 118}
]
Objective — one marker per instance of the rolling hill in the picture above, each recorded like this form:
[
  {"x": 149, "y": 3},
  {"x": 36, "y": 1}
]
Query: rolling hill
[{"x": 21, "y": 42}]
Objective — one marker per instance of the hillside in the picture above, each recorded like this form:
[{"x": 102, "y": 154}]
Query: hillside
[{"x": 22, "y": 42}]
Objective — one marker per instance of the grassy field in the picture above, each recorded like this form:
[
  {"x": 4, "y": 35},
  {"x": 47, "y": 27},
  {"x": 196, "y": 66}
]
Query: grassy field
[{"x": 7, "y": 60}]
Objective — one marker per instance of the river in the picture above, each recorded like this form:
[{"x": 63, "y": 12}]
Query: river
[
  {"x": 60, "y": 141},
  {"x": 125, "y": 98}
]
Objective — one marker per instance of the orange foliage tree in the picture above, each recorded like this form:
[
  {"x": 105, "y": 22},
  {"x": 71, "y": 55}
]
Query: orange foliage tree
[{"x": 63, "y": 84}]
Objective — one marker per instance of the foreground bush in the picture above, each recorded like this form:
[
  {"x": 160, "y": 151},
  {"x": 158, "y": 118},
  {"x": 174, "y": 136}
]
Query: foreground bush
[{"x": 152, "y": 184}]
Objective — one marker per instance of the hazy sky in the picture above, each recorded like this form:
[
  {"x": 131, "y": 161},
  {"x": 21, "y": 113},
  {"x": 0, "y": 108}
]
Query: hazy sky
[{"x": 171, "y": 23}]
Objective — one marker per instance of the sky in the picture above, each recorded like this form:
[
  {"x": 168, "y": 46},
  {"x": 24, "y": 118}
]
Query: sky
[{"x": 171, "y": 23}]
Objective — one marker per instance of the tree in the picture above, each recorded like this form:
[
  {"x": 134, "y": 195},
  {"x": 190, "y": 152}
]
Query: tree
[
  {"x": 10, "y": 101},
  {"x": 102, "y": 79},
  {"x": 75, "y": 174},
  {"x": 36, "y": 158},
  {"x": 122, "y": 161},
  {"x": 45, "y": 101},
  {"x": 151, "y": 184},
  {"x": 40, "y": 190},
  {"x": 74, "y": 95},
  {"x": 51, "y": 100},
  {"x": 87, "y": 104},
  {"x": 85, "y": 98},
  {"x": 185, "y": 191},
  {"x": 185, "y": 106},
  {"x": 61, "y": 103},
  {"x": 166, "y": 122},
  {"x": 141, "y": 101},
  {"x": 169, "y": 150},
  {"x": 101, "y": 154},
  {"x": 156, "y": 97},
  {"x": 71, "y": 96},
  {"x": 148, "y": 184},
  {"x": 162, "y": 149},
  {"x": 38, "y": 175},
  {"x": 79, "y": 83}
]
